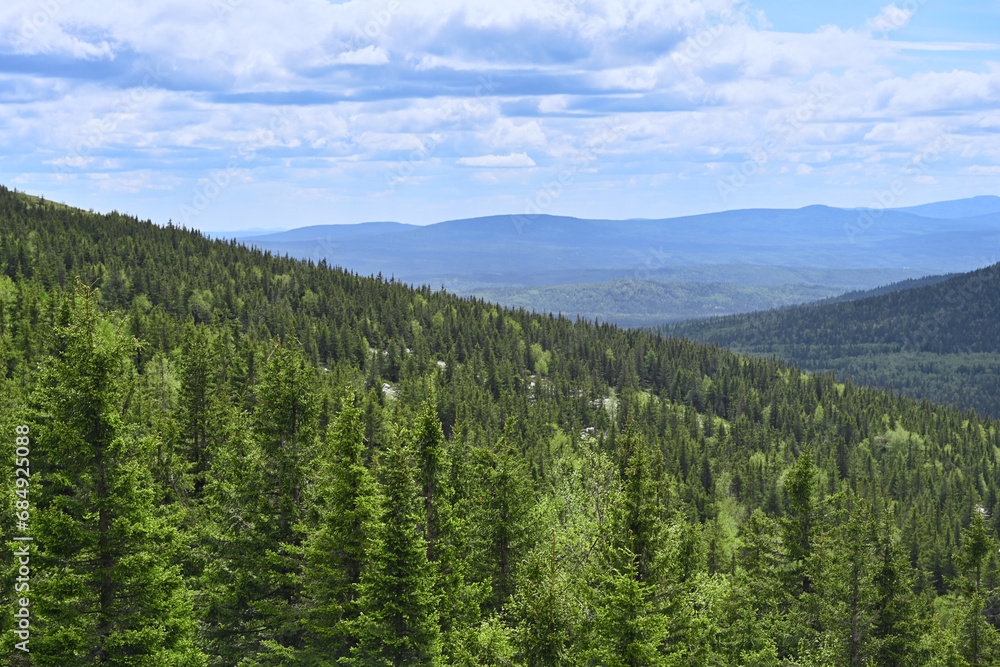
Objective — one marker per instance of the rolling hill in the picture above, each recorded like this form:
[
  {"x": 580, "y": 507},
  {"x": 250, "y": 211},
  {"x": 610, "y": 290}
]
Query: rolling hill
[
  {"x": 804, "y": 254},
  {"x": 940, "y": 341}
]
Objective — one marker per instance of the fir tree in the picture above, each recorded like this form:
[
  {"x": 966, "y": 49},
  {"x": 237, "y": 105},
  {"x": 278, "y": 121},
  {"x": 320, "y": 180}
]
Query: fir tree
[
  {"x": 398, "y": 625},
  {"x": 335, "y": 552},
  {"x": 107, "y": 590}
]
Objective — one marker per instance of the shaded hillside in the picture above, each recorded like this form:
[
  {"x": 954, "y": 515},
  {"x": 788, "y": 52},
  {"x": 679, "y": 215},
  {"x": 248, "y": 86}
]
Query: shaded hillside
[
  {"x": 939, "y": 341},
  {"x": 957, "y": 208},
  {"x": 890, "y": 288}
]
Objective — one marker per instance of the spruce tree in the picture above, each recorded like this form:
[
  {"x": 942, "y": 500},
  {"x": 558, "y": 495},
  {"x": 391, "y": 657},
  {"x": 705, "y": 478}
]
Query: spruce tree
[
  {"x": 896, "y": 624},
  {"x": 978, "y": 639},
  {"x": 546, "y": 613},
  {"x": 501, "y": 512},
  {"x": 638, "y": 530},
  {"x": 335, "y": 552},
  {"x": 398, "y": 624},
  {"x": 256, "y": 499},
  {"x": 107, "y": 590},
  {"x": 447, "y": 548},
  {"x": 630, "y": 628}
]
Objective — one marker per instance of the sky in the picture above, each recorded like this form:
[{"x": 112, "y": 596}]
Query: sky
[{"x": 233, "y": 114}]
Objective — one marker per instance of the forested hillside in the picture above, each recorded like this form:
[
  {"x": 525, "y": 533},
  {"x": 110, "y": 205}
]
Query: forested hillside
[
  {"x": 940, "y": 341},
  {"x": 243, "y": 459}
]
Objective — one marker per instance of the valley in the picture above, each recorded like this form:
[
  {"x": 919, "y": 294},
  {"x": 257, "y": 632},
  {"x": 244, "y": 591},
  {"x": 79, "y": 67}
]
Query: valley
[
  {"x": 298, "y": 465},
  {"x": 647, "y": 272}
]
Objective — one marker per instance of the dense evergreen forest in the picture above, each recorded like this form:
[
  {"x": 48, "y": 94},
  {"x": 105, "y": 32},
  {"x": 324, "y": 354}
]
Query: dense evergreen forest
[
  {"x": 937, "y": 340},
  {"x": 244, "y": 459}
]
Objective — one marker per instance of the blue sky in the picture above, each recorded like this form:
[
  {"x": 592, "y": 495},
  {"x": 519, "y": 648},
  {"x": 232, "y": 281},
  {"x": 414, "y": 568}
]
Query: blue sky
[{"x": 229, "y": 114}]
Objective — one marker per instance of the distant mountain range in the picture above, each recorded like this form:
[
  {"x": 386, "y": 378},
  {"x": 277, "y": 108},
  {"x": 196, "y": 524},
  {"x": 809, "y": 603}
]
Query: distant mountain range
[
  {"x": 957, "y": 208},
  {"x": 504, "y": 247},
  {"x": 800, "y": 254}
]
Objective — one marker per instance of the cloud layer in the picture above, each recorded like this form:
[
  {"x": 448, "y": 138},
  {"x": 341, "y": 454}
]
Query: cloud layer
[{"x": 229, "y": 113}]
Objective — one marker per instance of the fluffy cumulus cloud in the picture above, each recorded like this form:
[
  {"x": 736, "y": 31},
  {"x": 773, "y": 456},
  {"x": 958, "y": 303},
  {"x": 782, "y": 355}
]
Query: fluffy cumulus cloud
[{"x": 223, "y": 111}]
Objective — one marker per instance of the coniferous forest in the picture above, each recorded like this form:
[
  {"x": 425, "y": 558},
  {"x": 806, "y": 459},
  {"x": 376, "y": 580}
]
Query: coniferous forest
[
  {"x": 244, "y": 459},
  {"x": 933, "y": 338}
]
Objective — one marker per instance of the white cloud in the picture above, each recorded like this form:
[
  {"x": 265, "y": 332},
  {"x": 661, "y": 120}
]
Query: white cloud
[
  {"x": 487, "y": 177},
  {"x": 484, "y": 85},
  {"x": 76, "y": 161},
  {"x": 370, "y": 55},
  {"x": 890, "y": 19},
  {"x": 507, "y": 133},
  {"x": 982, "y": 170},
  {"x": 512, "y": 160}
]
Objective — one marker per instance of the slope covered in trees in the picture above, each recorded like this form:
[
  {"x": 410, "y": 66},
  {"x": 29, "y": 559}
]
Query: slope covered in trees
[
  {"x": 241, "y": 459},
  {"x": 940, "y": 341}
]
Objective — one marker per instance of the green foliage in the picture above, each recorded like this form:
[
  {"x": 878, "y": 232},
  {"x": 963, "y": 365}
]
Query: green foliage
[
  {"x": 335, "y": 550},
  {"x": 934, "y": 339},
  {"x": 398, "y": 624},
  {"x": 301, "y": 466},
  {"x": 108, "y": 588}
]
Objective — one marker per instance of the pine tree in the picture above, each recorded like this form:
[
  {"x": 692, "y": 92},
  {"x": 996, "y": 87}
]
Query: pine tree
[
  {"x": 335, "y": 551},
  {"x": 979, "y": 640},
  {"x": 447, "y": 548},
  {"x": 503, "y": 502},
  {"x": 398, "y": 625},
  {"x": 107, "y": 590}
]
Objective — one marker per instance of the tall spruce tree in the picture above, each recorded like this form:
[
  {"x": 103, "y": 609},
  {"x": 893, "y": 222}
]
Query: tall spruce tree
[
  {"x": 107, "y": 590},
  {"x": 446, "y": 544},
  {"x": 502, "y": 508},
  {"x": 256, "y": 499},
  {"x": 335, "y": 552},
  {"x": 398, "y": 624},
  {"x": 979, "y": 640}
]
